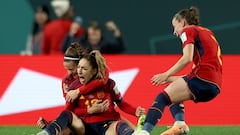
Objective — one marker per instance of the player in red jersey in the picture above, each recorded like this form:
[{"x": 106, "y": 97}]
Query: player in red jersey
[
  {"x": 97, "y": 119},
  {"x": 70, "y": 64},
  {"x": 71, "y": 59},
  {"x": 203, "y": 83}
]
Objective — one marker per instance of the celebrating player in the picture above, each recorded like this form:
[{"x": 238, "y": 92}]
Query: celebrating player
[
  {"x": 96, "y": 120},
  {"x": 71, "y": 58},
  {"x": 203, "y": 83}
]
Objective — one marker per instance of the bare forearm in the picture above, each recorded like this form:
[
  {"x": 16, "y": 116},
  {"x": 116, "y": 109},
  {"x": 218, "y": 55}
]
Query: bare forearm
[
  {"x": 180, "y": 65},
  {"x": 172, "y": 78}
]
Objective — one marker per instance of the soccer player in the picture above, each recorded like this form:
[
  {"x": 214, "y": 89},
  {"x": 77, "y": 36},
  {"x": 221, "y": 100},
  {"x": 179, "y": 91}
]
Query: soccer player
[
  {"x": 203, "y": 83},
  {"x": 71, "y": 58},
  {"x": 96, "y": 120}
]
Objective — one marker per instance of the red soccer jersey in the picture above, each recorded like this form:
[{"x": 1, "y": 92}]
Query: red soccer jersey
[
  {"x": 71, "y": 83},
  {"x": 66, "y": 82},
  {"x": 84, "y": 89},
  {"x": 109, "y": 92},
  {"x": 207, "y": 54},
  {"x": 54, "y": 34}
]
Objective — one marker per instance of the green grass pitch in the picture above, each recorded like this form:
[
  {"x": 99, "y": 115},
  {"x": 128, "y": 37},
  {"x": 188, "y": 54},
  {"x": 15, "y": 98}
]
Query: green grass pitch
[{"x": 194, "y": 130}]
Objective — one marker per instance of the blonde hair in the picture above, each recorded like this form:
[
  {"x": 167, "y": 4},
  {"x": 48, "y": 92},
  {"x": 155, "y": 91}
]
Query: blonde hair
[
  {"x": 101, "y": 62},
  {"x": 97, "y": 61}
]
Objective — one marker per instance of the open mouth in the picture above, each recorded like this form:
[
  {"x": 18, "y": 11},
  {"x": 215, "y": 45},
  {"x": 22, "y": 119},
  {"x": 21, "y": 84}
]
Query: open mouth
[{"x": 81, "y": 79}]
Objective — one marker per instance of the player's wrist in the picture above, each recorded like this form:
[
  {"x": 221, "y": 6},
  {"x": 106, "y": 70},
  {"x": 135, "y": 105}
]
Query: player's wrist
[
  {"x": 167, "y": 74},
  {"x": 78, "y": 91},
  {"x": 89, "y": 111}
]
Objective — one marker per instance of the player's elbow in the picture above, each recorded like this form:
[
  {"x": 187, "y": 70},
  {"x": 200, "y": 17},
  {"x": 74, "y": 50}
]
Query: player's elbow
[{"x": 188, "y": 58}]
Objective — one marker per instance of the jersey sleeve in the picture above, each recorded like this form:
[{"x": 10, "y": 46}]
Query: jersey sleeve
[
  {"x": 66, "y": 81},
  {"x": 79, "y": 111},
  {"x": 127, "y": 108},
  {"x": 70, "y": 106},
  {"x": 118, "y": 99},
  {"x": 113, "y": 89},
  {"x": 188, "y": 36},
  {"x": 63, "y": 89},
  {"x": 94, "y": 84}
]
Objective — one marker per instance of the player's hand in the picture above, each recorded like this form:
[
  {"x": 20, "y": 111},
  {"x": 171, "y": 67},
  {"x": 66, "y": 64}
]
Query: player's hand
[
  {"x": 98, "y": 107},
  {"x": 72, "y": 95},
  {"x": 140, "y": 111},
  {"x": 159, "y": 79},
  {"x": 42, "y": 123}
]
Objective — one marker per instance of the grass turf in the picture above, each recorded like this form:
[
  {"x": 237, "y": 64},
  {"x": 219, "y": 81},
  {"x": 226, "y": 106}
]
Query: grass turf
[{"x": 194, "y": 130}]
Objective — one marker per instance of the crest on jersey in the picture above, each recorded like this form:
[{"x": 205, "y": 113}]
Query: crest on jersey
[
  {"x": 91, "y": 96},
  {"x": 100, "y": 94}
]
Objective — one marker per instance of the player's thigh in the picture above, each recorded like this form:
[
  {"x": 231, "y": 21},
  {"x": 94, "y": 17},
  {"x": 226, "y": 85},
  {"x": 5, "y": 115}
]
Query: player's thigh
[
  {"x": 178, "y": 91},
  {"x": 112, "y": 129},
  {"x": 77, "y": 125}
]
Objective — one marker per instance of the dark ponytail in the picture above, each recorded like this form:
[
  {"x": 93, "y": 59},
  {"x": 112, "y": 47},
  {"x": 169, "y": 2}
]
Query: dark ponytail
[
  {"x": 74, "y": 52},
  {"x": 191, "y": 15}
]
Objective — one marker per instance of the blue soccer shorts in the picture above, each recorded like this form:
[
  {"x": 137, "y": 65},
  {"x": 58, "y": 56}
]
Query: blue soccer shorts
[{"x": 203, "y": 91}]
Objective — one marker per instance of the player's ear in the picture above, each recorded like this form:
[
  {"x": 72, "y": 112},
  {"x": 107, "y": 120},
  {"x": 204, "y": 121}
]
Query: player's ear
[
  {"x": 95, "y": 71},
  {"x": 184, "y": 22}
]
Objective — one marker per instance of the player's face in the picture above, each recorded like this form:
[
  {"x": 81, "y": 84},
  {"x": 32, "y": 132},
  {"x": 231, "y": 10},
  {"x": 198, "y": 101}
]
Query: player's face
[
  {"x": 177, "y": 27},
  {"x": 71, "y": 67},
  {"x": 85, "y": 71}
]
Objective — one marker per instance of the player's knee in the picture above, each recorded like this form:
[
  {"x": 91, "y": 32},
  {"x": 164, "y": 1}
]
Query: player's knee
[
  {"x": 162, "y": 98},
  {"x": 78, "y": 125},
  {"x": 67, "y": 114}
]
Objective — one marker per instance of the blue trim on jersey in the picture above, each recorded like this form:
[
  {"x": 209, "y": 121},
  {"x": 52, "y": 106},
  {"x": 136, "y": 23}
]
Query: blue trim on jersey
[
  {"x": 118, "y": 100},
  {"x": 198, "y": 44}
]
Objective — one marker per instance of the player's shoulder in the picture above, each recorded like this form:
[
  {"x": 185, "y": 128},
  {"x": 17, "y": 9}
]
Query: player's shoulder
[
  {"x": 110, "y": 80},
  {"x": 111, "y": 83},
  {"x": 190, "y": 31},
  {"x": 68, "y": 79},
  {"x": 74, "y": 84},
  {"x": 191, "y": 28}
]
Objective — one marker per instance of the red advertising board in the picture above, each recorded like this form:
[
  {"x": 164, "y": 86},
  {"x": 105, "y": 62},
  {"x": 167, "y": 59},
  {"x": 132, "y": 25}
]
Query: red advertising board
[{"x": 31, "y": 87}]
